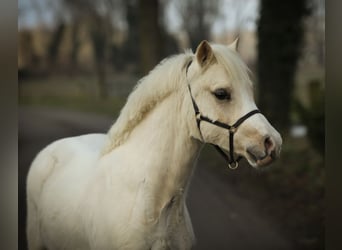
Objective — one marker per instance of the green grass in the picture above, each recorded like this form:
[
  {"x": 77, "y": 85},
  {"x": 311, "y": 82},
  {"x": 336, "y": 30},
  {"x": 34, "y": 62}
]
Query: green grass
[
  {"x": 110, "y": 106},
  {"x": 76, "y": 93}
]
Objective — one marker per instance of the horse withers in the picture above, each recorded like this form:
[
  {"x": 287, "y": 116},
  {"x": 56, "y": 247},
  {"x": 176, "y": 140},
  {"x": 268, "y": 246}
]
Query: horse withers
[{"x": 127, "y": 189}]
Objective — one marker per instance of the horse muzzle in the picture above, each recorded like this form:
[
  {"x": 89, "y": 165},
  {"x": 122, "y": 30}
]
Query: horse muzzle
[{"x": 260, "y": 156}]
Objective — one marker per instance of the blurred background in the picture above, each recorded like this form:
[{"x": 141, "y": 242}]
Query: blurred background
[{"x": 79, "y": 59}]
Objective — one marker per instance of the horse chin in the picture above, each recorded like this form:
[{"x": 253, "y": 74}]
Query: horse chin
[
  {"x": 258, "y": 164},
  {"x": 252, "y": 162},
  {"x": 255, "y": 163}
]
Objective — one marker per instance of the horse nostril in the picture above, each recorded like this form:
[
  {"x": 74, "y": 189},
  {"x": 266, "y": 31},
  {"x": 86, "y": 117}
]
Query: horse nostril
[{"x": 269, "y": 145}]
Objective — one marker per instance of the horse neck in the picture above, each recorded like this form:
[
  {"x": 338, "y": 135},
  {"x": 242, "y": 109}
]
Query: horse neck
[{"x": 163, "y": 145}]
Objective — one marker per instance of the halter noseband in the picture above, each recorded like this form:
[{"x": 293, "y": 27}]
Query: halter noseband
[{"x": 232, "y": 163}]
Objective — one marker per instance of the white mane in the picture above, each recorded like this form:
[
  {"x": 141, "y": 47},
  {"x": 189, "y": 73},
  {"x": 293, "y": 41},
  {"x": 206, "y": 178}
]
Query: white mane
[
  {"x": 150, "y": 90},
  {"x": 160, "y": 82}
]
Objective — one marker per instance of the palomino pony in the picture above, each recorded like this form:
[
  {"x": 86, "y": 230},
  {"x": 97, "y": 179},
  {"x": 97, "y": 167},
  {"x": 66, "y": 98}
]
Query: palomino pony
[{"x": 127, "y": 189}]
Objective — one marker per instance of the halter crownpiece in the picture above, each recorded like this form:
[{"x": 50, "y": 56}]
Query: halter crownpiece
[{"x": 232, "y": 163}]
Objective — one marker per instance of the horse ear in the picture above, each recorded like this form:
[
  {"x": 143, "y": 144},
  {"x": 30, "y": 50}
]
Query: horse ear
[
  {"x": 204, "y": 53},
  {"x": 234, "y": 45}
]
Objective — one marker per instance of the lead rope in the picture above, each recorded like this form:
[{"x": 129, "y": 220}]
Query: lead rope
[{"x": 232, "y": 163}]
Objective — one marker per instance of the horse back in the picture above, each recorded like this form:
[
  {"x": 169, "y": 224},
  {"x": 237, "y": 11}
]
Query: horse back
[
  {"x": 56, "y": 182},
  {"x": 58, "y": 155}
]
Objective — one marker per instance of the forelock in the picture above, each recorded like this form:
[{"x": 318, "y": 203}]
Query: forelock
[{"x": 233, "y": 64}]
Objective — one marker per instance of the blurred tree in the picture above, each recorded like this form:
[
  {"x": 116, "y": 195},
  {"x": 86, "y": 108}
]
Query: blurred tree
[
  {"x": 44, "y": 13},
  {"x": 99, "y": 36},
  {"x": 170, "y": 45},
  {"x": 239, "y": 16},
  {"x": 150, "y": 34},
  {"x": 313, "y": 115},
  {"x": 315, "y": 38},
  {"x": 98, "y": 16},
  {"x": 128, "y": 53},
  {"x": 169, "y": 42},
  {"x": 197, "y": 18},
  {"x": 55, "y": 42},
  {"x": 25, "y": 55},
  {"x": 75, "y": 45},
  {"x": 280, "y": 33},
  {"x": 161, "y": 44}
]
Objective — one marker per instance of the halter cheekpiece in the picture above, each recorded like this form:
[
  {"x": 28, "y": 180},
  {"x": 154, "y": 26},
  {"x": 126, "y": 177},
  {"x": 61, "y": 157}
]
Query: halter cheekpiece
[{"x": 232, "y": 163}]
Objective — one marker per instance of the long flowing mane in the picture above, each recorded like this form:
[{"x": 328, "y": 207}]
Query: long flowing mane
[
  {"x": 149, "y": 91},
  {"x": 161, "y": 82}
]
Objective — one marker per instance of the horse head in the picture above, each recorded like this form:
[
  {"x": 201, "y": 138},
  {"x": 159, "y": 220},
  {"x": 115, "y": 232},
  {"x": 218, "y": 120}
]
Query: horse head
[{"x": 222, "y": 97}]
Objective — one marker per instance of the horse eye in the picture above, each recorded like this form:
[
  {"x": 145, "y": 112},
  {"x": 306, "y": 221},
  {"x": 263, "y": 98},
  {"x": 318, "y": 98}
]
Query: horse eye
[{"x": 222, "y": 94}]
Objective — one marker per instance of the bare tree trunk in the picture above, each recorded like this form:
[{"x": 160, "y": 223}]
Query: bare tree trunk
[
  {"x": 74, "y": 46},
  {"x": 150, "y": 35},
  {"x": 197, "y": 18},
  {"x": 101, "y": 78},
  {"x": 280, "y": 33},
  {"x": 100, "y": 43},
  {"x": 55, "y": 43}
]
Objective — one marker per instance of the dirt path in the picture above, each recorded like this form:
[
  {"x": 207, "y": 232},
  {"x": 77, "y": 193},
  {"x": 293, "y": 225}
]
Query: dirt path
[{"x": 221, "y": 219}]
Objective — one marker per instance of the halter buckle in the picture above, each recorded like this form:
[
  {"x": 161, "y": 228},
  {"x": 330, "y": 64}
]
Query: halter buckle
[
  {"x": 233, "y": 165},
  {"x": 232, "y": 129},
  {"x": 198, "y": 116}
]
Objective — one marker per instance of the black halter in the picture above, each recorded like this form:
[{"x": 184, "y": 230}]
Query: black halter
[{"x": 232, "y": 163}]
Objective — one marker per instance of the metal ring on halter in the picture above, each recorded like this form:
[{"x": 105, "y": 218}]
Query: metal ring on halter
[
  {"x": 232, "y": 129},
  {"x": 233, "y": 165},
  {"x": 198, "y": 115}
]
